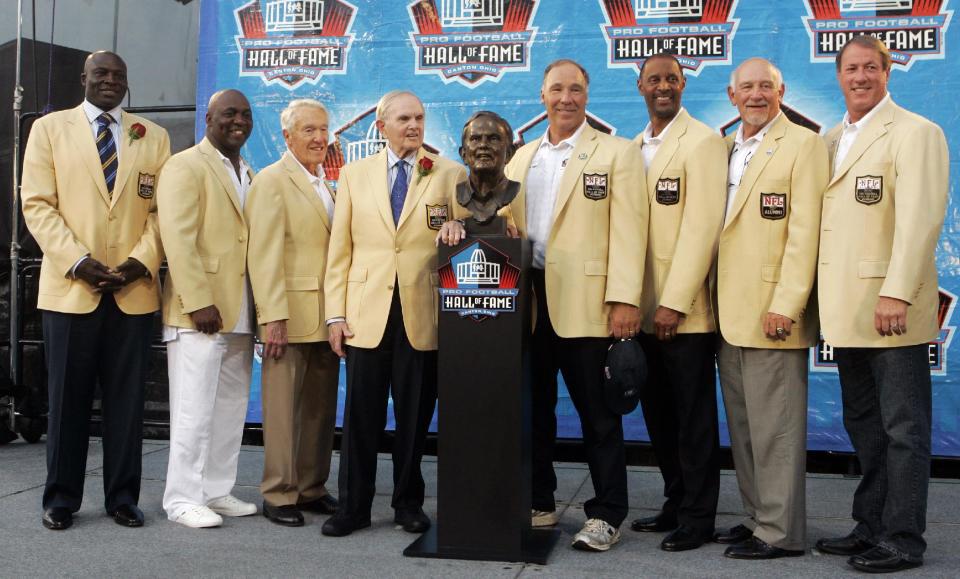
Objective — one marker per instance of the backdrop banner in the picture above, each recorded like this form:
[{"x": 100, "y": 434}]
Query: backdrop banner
[{"x": 460, "y": 56}]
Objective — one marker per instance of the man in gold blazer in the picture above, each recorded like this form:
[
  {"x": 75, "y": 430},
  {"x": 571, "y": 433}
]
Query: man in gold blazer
[
  {"x": 89, "y": 178},
  {"x": 289, "y": 212},
  {"x": 882, "y": 214},
  {"x": 381, "y": 307},
  {"x": 207, "y": 315},
  {"x": 765, "y": 276},
  {"x": 583, "y": 204},
  {"x": 686, "y": 166}
]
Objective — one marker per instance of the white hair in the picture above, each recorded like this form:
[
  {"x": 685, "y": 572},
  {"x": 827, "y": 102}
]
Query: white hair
[
  {"x": 383, "y": 105},
  {"x": 777, "y": 75},
  {"x": 289, "y": 114}
]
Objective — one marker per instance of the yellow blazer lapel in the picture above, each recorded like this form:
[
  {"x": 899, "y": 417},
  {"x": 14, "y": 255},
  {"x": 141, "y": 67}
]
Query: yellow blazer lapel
[
  {"x": 768, "y": 146},
  {"x": 571, "y": 174},
  {"x": 129, "y": 151},
  {"x": 296, "y": 174},
  {"x": 379, "y": 186},
  {"x": 876, "y": 128},
  {"x": 666, "y": 151},
  {"x": 417, "y": 186},
  {"x": 82, "y": 137},
  {"x": 211, "y": 155}
]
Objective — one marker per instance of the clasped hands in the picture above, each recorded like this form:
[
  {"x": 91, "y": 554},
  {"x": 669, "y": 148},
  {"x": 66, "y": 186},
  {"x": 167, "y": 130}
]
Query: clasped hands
[{"x": 106, "y": 280}]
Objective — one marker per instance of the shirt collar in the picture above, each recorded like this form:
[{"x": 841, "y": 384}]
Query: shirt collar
[
  {"x": 760, "y": 134},
  {"x": 243, "y": 164},
  {"x": 92, "y": 112},
  {"x": 320, "y": 176},
  {"x": 392, "y": 158},
  {"x": 570, "y": 142},
  {"x": 649, "y": 139},
  {"x": 865, "y": 118}
]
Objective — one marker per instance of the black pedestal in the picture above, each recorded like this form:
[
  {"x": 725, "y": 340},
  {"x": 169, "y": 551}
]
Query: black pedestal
[{"x": 483, "y": 448}]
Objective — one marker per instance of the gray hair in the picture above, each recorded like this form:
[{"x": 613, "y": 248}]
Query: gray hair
[
  {"x": 777, "y": 75},
  {"x": 383, "y": 105},
  {"x": 289, "y": 114}
]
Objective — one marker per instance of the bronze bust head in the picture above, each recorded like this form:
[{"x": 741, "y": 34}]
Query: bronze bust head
[{"x": 486, "y": 148}]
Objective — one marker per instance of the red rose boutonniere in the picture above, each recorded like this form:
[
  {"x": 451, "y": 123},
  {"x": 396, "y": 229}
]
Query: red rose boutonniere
[
  {"x": 424, "y": 168},
  {"x": 136, "y": 132}
]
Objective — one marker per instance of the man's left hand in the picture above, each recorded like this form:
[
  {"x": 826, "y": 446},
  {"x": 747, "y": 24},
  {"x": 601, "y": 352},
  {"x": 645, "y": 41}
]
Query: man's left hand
[
  {"x": 451, "y": 233},
  {"x": 275, "y": 344},
  {"x": 131, "y": 270},
  {"x": 665, "y": 322},
  {"x": 777, "y": 327},
  {"x": 890, "y": 316},
  {"x": 624, "y": 321}
]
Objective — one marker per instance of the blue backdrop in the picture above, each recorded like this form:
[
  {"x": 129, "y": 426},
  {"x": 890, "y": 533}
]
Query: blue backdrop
[{"x": 463, "y": 55}]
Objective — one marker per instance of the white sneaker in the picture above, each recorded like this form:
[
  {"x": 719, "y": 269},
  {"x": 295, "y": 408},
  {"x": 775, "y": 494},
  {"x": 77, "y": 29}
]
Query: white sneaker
[
  {"x": 231, "y": 506},
  {"x": 596, "y": 535},
  {"x": 199, "y": 517},
  {"x": 543, "y": 518}
]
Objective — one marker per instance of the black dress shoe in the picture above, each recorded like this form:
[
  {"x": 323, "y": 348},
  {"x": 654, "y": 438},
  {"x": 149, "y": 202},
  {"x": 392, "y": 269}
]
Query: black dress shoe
[
  {"x": 684, "y": 538},
  {"x": 755, "y": 549},
  {"x": 128, "y": 516},
  {"x": 341, "y": 526},
  {"x": 660, "y": 523},
  {"x": 325, "y": 505},
  {"x": 286, "y": 515},
  {"x": 57, "y": 518},
  {"x": 881, "y": 560},
  {"x": 733, "y": 535},
  {"x": 412, "y": 521},
  {"x": 849, "y": 545}
]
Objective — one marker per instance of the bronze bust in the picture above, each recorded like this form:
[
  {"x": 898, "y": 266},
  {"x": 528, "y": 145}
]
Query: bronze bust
[{"x": 486, "y": 148}]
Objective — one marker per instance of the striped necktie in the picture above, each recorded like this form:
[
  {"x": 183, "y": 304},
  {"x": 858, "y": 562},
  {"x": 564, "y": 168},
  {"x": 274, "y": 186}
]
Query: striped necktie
[
  {"x": 108, "y": 151},
  {"x": 399, "y": 192}
]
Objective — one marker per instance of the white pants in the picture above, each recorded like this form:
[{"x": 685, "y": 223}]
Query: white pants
[{"x": 209, "y": 386}]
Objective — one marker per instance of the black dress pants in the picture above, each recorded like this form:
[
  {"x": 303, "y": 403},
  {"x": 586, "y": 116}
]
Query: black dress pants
[
  {"x": 581, "y": 362},
  {"x": 107, "y": 347},
  {"x": 394, "y": 367},
  {"x": 680, "y": 409}
]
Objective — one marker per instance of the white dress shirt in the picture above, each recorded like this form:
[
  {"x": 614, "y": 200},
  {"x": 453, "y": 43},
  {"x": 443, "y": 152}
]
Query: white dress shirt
[
  {"x": 651, "y": 143},
  {"x": 743, "y": 151},
  {"x": 543, "y": 180},
  {"x": 392, "y": 170},
  {"x": 851, "y": 130},
  {"x": 318, "y": 184}
]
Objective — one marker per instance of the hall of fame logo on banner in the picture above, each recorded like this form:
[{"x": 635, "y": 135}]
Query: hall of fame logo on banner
[
  {"x": 472, "y": 41},
  {"x": 698, "y": 32},
  {"x": 822, "y": 360},
  {"x": 912, "y": 29},
  {"x": 290, "y": 42},
  {"x": 479, "y": 282}
]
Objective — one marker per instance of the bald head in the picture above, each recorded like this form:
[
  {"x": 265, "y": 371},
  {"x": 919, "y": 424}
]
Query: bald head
[
  {"x": 756, "y": 89},
  {"x": 229, "y": 121},
  {"x": 104, "y": 80}
]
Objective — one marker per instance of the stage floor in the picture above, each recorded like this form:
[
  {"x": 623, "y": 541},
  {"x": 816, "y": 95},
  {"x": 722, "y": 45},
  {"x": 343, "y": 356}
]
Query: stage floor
[{"x": 254, "y": 547}]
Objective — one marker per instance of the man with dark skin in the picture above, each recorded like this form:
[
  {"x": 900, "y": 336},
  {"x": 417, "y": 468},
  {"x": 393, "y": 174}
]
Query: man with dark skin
[
  {"x": 88, "y": 198},
  {"x": 207, "y": 315}
]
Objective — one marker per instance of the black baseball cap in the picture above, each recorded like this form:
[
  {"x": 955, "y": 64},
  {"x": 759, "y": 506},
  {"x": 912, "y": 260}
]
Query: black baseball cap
[{"x": 624, "y": 376}]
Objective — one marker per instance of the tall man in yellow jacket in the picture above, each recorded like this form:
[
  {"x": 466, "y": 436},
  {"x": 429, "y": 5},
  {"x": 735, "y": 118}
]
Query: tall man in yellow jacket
[
  {"x": 89, "y": 182},
  {"x": 765, "y": 274},
  {"x": 207, "y": 315},
  {"x": 686, "y": 166},
  {"x": 882, "y": 215},
  {"x": 289, "y": 211},
  {"x": 583, "y": 204},
  {"x": 381, "y": 307}
]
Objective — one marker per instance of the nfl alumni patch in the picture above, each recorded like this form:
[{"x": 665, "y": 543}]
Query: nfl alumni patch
[
  {"x": 594, "y": 186},
  {"x": 773, "y": 205},
  {"x": 145, "y": 185},
  {"x": 869, "y": 189},
  {"x": 437, "y": 216},
  {"x": 668, "y": 191}
]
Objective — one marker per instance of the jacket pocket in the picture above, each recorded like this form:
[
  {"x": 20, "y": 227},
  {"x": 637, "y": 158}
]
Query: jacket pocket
[
  {"x": 211, "y": 264},
  {"x": 770, "y": 273},
  {"x": 357, "y": 274},
  {"x": 303, "y": 284},
  {"x": 871, "y": 268}
]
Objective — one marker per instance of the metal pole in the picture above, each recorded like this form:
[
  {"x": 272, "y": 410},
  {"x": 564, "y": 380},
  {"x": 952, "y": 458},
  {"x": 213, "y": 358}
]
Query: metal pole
[{"x": 15, "y": 217}]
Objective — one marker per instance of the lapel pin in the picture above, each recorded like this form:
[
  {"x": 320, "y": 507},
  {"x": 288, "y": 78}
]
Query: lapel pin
[{"x": 582, "y": 156}]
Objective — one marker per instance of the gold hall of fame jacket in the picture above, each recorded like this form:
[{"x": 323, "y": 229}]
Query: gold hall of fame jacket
[
  {"x": 70, "y": 213},
  {"x": 686, "y": 185},
  {"x": 597, "y": 245},
  {"x": 287, "y": 252},
  {"x": 882, "y": 215},
  {"x": 767, "y": 259},
  {"x": 204, "y": 235},
  {"x": 369, "y": 254}
]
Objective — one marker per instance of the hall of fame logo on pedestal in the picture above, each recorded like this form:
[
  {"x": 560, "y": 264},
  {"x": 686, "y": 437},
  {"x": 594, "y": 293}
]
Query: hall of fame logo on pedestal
[
  {"x": 912, "y": 29},
  {"x": 290, "y": 42},
  {"x": 822, "y": 358},
  {"x": 698, "y": 32},
  {"x": 479, "y": 282},
  {"x": 472, "y": 41}
]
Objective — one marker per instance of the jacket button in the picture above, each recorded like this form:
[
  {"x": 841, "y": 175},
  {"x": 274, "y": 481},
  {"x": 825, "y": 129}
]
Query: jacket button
[
  {"x": 390, "y": 287},
  {"x": 397, "y": 249}
]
